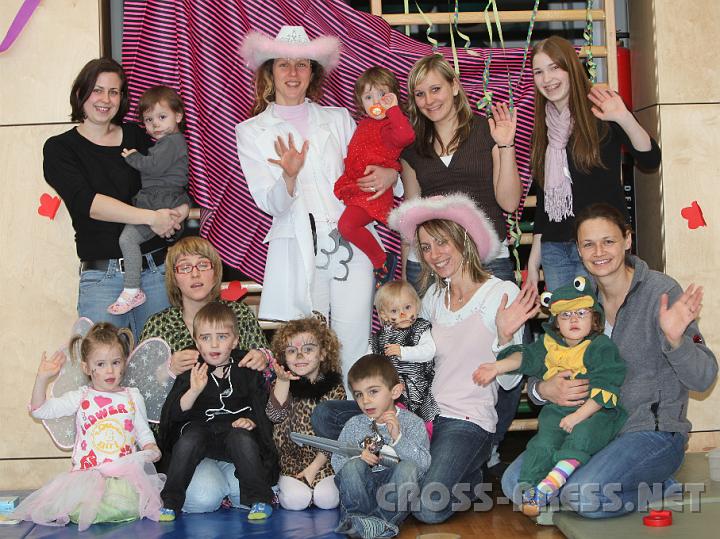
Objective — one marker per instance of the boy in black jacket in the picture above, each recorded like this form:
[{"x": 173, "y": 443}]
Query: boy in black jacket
[{"x": 217, "y": 410}]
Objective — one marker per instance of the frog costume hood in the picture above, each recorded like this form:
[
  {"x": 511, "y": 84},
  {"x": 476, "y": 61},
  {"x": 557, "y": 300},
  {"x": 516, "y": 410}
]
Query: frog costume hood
[{"x": 573, "y": 296}]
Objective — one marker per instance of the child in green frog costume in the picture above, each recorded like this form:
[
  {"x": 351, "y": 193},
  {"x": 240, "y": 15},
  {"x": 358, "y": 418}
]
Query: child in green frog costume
[{"x": 567, "y": 435}]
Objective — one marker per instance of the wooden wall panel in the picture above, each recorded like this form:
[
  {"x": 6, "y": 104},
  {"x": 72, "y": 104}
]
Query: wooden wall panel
[
  {"x": 38, "y": 70},
  {"x": 39, "y": 265},
  {"x": 677, "y": 89},
  {"x": 30, "y": 474},
  {"x": 686, "y": 34},
  {"x": 643, "y": 53},
  {"x": 673, "y": 57},
  {"x": 691, "y": 171},
  {"x": 39, "y": 285},
  {"x": 648, "y": 195}
]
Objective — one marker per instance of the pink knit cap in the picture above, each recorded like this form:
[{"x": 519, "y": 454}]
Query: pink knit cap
[
  {"x": 455, "y": 207},
  {"x": 290, "y": 42}
]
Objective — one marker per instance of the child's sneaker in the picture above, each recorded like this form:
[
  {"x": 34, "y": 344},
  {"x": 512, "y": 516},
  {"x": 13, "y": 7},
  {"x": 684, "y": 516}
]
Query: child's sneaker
[
  {"x": 260, "y": 511},
  {"x": 386, "y": 272},
  {"x": 533, "y": 501},
  {"x": 127, "y": 302},
  {"x": 166, "y": 515}
]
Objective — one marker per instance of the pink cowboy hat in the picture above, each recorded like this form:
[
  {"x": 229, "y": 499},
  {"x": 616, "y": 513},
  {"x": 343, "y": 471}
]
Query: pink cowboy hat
[
  {"x": 290, "y": 42},
  {"x": 457, "y": 208}
]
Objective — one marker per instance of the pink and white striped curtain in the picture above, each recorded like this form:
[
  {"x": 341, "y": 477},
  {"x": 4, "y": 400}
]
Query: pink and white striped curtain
[{"x": 192, "y": 45}]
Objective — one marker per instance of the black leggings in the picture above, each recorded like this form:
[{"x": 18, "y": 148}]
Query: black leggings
[{"x": 220, "y": 441}]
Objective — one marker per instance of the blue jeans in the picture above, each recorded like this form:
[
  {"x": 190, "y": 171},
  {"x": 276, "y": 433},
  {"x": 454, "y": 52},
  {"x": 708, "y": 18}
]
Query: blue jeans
[
  {"x": 412, "y": 274},
  {"x": 98, "y": 289},
  {"x": 458, "y": 450},
  {"x": 560, "y": 262},
  {"x": 501, "y": 268},
  {"x": 211, "y": 482},
  {"x": 387, "y": 494},
  {"x": 329, "y": 417},
  {"x": 631, "y": 471},
  {"x": 507, "y": 400}
]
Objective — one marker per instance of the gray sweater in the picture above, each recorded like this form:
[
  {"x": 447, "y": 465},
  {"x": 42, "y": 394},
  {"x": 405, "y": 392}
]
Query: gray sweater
[
  {"x": 413, "y": 444},
  {"x": 163, "y": 172},
  {"x": 655, "y": 391}
]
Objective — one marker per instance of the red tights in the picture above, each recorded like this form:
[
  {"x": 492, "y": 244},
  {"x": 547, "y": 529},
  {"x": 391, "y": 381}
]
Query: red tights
[{"x": 352, "y": 227}]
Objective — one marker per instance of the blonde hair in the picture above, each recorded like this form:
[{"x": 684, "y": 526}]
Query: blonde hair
[
  {"x": 101, "y": 334},
  {"x": 327, "y": 341},
  {"x": 587, "y": 132},
  {"x": 265, "y": 85},
  {"x": 392, "y": 291},
  {"x": 216, "y": 314},
  {"x": 450, "y": 230},
  {"x": 190, "y": 245},
  {"x": 425, "y": 135}
]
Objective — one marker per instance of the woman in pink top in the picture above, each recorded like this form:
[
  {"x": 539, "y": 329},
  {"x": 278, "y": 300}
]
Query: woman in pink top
[{"x": 453, "y": 239}]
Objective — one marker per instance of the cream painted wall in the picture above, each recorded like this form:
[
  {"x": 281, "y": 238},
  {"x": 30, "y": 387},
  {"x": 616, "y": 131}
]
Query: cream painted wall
[
  {"x": 38, "y": 289},
  {"x": 38, "y": 70},
  {"x": 676, "y": 89}
]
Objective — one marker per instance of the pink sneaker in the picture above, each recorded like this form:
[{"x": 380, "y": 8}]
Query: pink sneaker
[{"x": 128, "y": 303}]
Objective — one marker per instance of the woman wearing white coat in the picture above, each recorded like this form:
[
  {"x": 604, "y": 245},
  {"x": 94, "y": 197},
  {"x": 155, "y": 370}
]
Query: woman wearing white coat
[{"x": 309, "y": 267}]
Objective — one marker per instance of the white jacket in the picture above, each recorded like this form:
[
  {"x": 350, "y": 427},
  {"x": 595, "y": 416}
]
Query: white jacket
[{"x": 291, "y": 261}]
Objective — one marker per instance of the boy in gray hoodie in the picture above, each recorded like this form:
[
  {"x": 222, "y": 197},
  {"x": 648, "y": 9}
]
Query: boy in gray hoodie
[{"x": 382, "y": 428}]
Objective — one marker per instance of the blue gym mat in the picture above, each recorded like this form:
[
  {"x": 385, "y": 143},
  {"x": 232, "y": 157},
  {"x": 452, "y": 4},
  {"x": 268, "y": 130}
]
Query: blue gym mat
[{"x": 316, "y": 523}]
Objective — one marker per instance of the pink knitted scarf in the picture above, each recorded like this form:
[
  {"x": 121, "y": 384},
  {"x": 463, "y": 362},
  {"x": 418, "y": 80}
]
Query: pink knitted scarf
[{"x": 558, "y": 183}]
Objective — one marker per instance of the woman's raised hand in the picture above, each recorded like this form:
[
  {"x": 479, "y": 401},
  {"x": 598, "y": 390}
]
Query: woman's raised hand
[
  {"x": 290, "y": 160},
  {"x": 607, "y": 104},
  {"x": 674, "y": 320},
  {"x": 510, "y": 318},
  {"x": 50, "y": 368},
  {"x": 502, "y": 124}
]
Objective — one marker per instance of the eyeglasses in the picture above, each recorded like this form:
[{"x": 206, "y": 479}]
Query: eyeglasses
[
  {"x": 306, "y": 349},
  {"x": 203, "y": 265},
  {"x": 580, "y": 313}
]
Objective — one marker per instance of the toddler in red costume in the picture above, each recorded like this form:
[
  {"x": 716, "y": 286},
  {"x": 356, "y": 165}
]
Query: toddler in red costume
[{"x": 378, "y": 140}]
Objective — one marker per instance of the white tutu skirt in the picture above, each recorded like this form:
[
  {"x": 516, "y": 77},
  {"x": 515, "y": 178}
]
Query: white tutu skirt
[{"x": 126, "y": 489}]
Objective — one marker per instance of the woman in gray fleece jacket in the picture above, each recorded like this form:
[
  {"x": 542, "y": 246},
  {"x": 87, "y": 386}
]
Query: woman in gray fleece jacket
[{"x": 654, "y": 324}]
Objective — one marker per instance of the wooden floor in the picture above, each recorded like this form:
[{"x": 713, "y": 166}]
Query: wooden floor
[{"x": 501, "y": 523}]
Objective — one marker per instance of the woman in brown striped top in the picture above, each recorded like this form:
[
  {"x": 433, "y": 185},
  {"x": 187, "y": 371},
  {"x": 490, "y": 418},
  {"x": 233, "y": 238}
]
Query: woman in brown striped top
[{"x": 457, "y": 151}]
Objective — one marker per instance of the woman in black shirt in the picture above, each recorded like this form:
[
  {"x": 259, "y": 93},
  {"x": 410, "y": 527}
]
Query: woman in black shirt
[
  {"x": 86, "y": 169},
  {"x": 577, "y": 139}
]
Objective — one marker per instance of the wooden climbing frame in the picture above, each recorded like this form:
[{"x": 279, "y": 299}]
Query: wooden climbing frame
[{"x": 604, "y": 15}]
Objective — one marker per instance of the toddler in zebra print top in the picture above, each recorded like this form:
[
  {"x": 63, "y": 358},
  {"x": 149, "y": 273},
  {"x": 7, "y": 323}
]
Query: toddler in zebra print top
[{"x": 407, "y": 340}]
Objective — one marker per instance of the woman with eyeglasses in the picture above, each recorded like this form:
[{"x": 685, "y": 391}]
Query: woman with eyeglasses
[
  {"x": 85, "y": 166},
  {"x": 192, "y": 279}
]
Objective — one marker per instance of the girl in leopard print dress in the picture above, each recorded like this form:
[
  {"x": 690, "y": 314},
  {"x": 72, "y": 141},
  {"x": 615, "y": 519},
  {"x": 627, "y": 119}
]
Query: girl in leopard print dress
[{"x": 308, "y": 372}]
